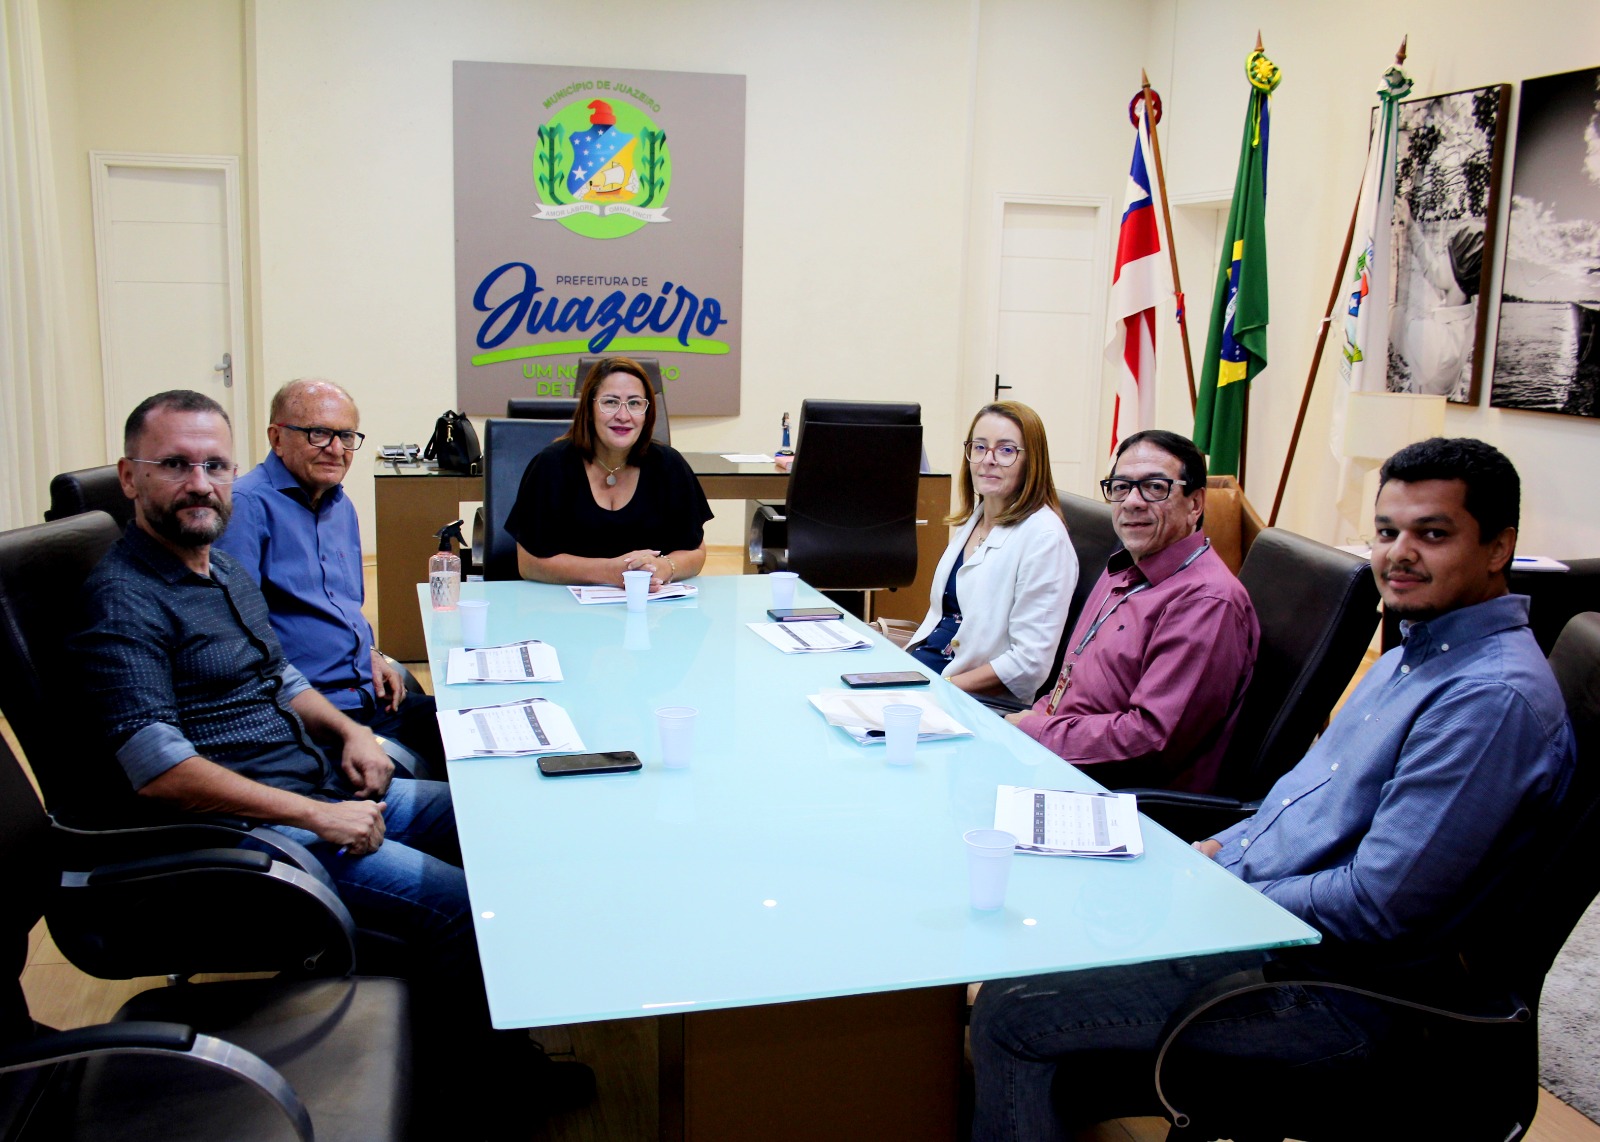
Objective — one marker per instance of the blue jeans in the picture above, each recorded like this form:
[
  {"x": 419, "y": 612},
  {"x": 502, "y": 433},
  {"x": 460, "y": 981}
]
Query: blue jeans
[
  {"x": 1054, "y": 1052},
  {"x": 412, "y": 888}
]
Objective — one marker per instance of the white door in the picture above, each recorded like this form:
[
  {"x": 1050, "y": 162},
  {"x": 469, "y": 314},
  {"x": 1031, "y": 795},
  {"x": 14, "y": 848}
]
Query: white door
[
  {"x": 167, "y": 251},
  {"x": 1049, "y": 325}
]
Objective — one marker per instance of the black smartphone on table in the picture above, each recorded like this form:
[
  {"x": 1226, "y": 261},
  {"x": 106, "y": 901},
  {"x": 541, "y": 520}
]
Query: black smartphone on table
[
  {"x": 574, "y": 764},
  {"x": 884, "y": 678},
  {"x": 802, "y": 614}
]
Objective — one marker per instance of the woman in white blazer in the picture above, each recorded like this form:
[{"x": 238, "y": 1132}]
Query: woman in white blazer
[{"x": 1003, "y": 586}]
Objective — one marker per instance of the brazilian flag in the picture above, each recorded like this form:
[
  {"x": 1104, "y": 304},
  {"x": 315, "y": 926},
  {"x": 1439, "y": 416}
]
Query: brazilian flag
[{"x": 1236, "y": 347}]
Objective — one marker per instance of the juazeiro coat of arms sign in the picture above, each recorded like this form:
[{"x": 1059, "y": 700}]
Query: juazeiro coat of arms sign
[
  {"x": 598, "y": 212},
  {"x": 611, "y": 178}
]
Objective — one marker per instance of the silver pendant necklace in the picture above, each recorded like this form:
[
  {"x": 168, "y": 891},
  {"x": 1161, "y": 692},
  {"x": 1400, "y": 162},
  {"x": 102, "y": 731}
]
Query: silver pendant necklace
[{"x": 611, "y": 473}]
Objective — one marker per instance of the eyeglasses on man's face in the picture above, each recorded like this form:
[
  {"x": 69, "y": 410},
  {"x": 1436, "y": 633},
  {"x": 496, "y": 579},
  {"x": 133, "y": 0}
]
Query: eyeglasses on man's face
[
  {"x": 175, "y": 469},
  {"x": 320, "y": 437},
  {"x": 1152, "y": 490},
  {"x": 1004, "y": 455},
  {"x": 610, "y": 405}
]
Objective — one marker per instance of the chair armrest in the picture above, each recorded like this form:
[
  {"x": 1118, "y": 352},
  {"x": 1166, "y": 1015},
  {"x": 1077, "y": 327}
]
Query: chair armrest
[
  {"x": 1003, "y": 704},
  {"x": 1243, "y": 983},
  {"x": 195, "y": 859},
  {"x": 1192, "y": 816},
  {"x": 217, "y": 910},
  {"x": 1189, "y": 800},
  {"x": 171, "y": 1040}
]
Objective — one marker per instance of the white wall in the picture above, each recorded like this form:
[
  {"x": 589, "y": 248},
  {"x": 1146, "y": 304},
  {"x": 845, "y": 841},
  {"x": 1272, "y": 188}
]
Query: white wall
[
  {"x": 851, "y": 288},
  {"x": 162, "y": 76},
  {"x": 1333, "y": 57},
  {"x": 343, "y": 113}
]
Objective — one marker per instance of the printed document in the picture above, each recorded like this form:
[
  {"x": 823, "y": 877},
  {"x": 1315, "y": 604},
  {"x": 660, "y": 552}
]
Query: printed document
[
  {"x": 588, "y": 595},
  {"x": 1059, "y": 822},
  {"x": 533, "y": 725},
  {"x": 859, "y": 713},
  {"x": 810, "y": 637},
  {"x": 527, "y": 661}
]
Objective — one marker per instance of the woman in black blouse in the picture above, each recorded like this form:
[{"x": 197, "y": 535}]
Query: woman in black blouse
[{"x": 605, "y": 498}]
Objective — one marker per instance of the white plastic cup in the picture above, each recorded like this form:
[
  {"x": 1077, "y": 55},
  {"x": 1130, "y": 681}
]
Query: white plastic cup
[
  {"x": 637, "y": 584},
  {"x": 474, "y": 622},
  {"x": 783, "y": 588},
  {"x": 901, "y": 722},
  {"x": 675, "y": 724},
  {"x": 989, "y": 853}
]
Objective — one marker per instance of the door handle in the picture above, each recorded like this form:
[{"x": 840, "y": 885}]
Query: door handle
[
  {"x": 226, "y": 369},
  {"x": 998, "y": 386}
]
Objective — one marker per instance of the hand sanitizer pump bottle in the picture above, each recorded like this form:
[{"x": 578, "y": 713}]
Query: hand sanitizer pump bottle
[{"x": 444, "y": 569}]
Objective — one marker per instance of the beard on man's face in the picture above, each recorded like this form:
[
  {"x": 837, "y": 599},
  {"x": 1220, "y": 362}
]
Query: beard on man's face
[{"x": 171, "y": 526}]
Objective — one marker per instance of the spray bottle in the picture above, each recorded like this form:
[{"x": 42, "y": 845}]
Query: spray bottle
[{"x": 444, "y": 569}]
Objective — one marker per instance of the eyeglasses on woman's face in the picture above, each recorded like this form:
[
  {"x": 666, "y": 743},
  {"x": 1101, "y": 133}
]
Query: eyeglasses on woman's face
[
  {"x": 611, "y": 405},
  {"x": 1004, "y": 455}
]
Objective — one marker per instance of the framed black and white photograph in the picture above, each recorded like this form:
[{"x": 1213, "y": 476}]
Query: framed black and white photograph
[
  {"x": 1447, "y": 192},
  {"x": 1546, "y": 357}
]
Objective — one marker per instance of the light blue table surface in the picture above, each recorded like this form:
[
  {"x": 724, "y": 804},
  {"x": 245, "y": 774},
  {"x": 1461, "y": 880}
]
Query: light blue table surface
[{"x": 786, "y": 862}]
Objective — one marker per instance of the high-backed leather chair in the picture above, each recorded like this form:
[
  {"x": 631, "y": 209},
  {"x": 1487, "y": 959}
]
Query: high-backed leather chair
[
  {"x": 245, "y": 1059},
  {"x": 1318, "y": 609},
  {"x": 850, "y": 519},
  {"x": 542, "y": 408},
  {"x": 88, "y": 490},
  {"x": 1465, "y": 1061},
  {"x": 1093, "y": 541},
  {"x": 267, "y": 901},
  {"x": 508, "y": 446},
  {"x": 658, "y": 393}
]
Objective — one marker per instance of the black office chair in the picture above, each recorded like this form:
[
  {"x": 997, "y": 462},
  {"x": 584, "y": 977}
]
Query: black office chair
[
  {"x": 246, "y": 1059},
  {"x": 1465, "y": 1066},
  {"x": 1318, "y": 609},
  {"x": 850, "y": 520},
  {"x": 658, "y": 393},
  {"x": 87, "y": 490},
  {"x": 508, "y": 446},
  {"x": 1093, "y": 541},
  {"x": 542, "y": 408},
  {"x": 267, "y": 900}
]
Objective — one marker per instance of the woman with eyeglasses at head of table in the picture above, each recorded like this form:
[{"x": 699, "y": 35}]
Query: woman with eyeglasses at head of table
[
  {"x": 605, "y": 498},
  {"x": 1003, "y": 587}
]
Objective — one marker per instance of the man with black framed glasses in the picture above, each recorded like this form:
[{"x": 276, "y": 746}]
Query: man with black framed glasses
[
  {"x": 295, "y": 531},
  {"x": 1155, "y": 672}
]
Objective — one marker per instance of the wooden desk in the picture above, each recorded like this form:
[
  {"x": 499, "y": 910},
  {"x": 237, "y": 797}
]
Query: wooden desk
[{"x": 413, "y": 503}]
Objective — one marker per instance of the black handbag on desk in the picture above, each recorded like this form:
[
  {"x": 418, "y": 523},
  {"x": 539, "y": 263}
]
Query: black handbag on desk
[{"x": 455, "y": 445}]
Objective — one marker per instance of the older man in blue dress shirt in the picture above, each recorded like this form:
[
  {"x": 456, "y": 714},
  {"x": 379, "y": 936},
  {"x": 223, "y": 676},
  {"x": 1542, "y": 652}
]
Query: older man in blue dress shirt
[
  {"x": 294, "y": 529},
  {"x": 1439, "y": 769}
]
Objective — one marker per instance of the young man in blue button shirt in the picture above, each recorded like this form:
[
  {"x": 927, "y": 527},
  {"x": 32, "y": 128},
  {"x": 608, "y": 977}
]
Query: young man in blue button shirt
[
  {"x": 1437, "y": 771},
  {"x": 295, "y": 531}
]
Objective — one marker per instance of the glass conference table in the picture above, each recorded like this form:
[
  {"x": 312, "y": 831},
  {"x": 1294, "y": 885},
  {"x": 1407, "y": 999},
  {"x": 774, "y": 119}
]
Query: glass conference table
[{"x": 785, "y": 864}]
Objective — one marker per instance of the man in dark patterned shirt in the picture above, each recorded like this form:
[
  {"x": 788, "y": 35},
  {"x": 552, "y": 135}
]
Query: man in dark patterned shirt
[{"x": 194, "y": 694}]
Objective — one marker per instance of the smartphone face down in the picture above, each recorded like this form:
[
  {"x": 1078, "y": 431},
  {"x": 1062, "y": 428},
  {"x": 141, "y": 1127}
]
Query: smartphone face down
[
  {"x": 802, "y": 614},
  {"x": 884, "y": 678},
  {"x": 575, "y": 764}
]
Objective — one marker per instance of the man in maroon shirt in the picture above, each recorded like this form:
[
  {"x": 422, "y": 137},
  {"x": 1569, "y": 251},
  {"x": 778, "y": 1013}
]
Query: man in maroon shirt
[{"x": 1155, "y": 672}]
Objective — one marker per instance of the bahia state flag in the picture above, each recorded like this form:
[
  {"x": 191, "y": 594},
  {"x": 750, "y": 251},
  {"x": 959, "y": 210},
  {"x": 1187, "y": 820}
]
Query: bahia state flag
[
  {"x": 1236, "y": 347},
  {"x": 602, "y": 156},
  {"x": 1135, "y": 292}
]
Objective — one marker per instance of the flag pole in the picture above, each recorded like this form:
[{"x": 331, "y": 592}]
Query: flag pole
[
  {"x": 1166, "y": 222},
  {"x": 1244, "y": 410},
  {"x": 1322, "y": 335}
]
